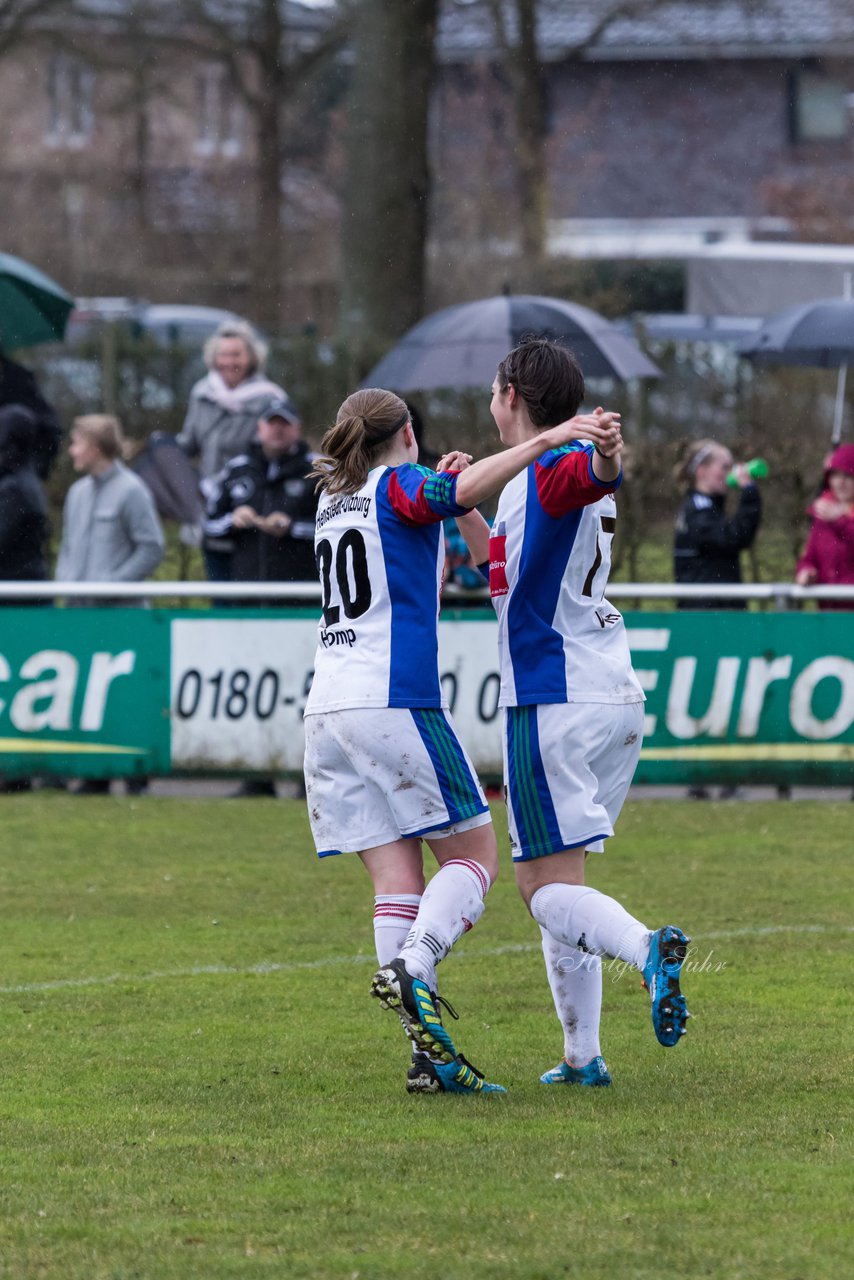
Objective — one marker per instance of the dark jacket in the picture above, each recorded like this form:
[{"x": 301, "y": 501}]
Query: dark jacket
[
  {"x": 18, "y": 386},
  {"x": 707, "y": 543},
  {"x": 251, "y": 480},
  {"x": 23, "y": 509}
]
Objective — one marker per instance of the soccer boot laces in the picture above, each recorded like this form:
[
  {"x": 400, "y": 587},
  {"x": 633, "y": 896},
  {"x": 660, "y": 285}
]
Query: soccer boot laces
[
  {"x": 459, "y": 1076},
  {"x": 668, "y": 948},
  {"x": 594, "y": 1073},
  {"x": 417, "y": 1008}
]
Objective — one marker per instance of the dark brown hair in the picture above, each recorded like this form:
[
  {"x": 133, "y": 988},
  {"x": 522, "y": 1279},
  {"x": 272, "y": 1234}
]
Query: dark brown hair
[{"x": 547, "y": 377}]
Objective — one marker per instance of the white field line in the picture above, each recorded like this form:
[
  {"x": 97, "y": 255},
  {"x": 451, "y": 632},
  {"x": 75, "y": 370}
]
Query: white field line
[{"x": 301, "y": 966}]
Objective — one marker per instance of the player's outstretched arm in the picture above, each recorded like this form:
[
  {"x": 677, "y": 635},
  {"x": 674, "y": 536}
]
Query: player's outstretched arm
[{"x": 483, "y": 478}]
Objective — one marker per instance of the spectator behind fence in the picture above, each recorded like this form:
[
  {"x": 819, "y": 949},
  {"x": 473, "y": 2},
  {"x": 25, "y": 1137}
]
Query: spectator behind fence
[
  {"x": 264, "y": 502},
  {"x": 23, "y": 508},
  {"x": 707, "y": 543},
  {"x": 110, "y": 529},
  {"x": 23, "y": 520},
  {"x": 222, "y": 417},
  {"x": 18, "y": 387},
  {"x": 828, "y": 557}
]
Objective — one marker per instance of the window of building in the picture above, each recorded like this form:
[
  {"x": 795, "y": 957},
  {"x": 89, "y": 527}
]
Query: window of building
[
  {"x": 219, "y": 114},
  {"x": 69, "y": 91},
  {"x": 818, "y": 108}
]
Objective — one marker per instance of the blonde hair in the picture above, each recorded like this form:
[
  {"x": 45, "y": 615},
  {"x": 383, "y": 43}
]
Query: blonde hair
[
  {"x": 256, "y": 346},
  {"x": 103, "y": 431},
  {"x": 693, "y": 455},
  {"x": 364, "y": 425}
]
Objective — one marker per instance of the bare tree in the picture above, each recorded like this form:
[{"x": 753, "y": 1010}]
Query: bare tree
[
  {"x": 516, "y": 24},
  {"x": 267, "y": 64}
]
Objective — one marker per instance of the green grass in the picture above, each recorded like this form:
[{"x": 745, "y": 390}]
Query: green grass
[{"x": 193, "y": 1082}]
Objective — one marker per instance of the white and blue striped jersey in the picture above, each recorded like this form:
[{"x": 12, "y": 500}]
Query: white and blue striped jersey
[
  {"x": 380, "y": 555},
  {"x": 559, "y": 639}
]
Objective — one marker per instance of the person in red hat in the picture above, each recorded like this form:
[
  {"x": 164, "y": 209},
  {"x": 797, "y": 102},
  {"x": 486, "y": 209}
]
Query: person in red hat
[{"x": 828, "y": 557}]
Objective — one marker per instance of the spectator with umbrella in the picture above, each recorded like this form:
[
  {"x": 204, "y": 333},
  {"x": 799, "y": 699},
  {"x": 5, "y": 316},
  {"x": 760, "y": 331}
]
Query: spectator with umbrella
[
  {"x": 23, "y": 519},
  {"x": 33, "y": 309}
]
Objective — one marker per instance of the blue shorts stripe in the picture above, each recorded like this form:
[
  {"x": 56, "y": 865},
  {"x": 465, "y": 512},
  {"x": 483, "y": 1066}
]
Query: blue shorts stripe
[
  {"x": 460, "y": 792},
  {"x": 533, "y": 808},
  {"x": 516, "y": 772}
]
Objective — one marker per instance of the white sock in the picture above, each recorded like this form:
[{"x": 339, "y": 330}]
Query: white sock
[
  {"x": 394, "y": 914},
  {"x": 591, "y": 921},
  {"x": 576, "y": 983},
  {"x": 451, "y": 905}
]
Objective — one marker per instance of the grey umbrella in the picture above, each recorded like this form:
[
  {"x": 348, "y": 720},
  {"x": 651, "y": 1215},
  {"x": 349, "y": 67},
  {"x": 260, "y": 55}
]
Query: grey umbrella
[
  {"x": 817, "y": 333},
  {"x": 462, "y": 346}
]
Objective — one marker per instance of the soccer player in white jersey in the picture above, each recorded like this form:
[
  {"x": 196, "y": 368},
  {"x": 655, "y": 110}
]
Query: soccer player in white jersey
[
  {"x": 384, "y": 767},
  {"x": 574, "y": 707}
]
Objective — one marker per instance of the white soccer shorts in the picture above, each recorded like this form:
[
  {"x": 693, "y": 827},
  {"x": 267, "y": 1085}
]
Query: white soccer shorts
[
  {"x": 375, "y": 774},
  {"x": 567, "y": 769}
]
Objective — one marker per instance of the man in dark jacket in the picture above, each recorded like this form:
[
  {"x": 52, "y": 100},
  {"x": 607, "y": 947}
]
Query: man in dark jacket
[
  {"x": 23, "y": 521},
  {"x": 23, "y": 509},
  {"x": 18, "y": 387},
  {"x": 264, "y": 503}
]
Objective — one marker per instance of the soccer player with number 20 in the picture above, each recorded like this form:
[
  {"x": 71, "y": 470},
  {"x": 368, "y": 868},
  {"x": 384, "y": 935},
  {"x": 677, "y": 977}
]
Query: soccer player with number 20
[{"x": 384, "y": 767}]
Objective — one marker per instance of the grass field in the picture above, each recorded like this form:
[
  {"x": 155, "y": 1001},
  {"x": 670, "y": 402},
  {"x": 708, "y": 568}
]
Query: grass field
[{"x": 194, "y": 1083}]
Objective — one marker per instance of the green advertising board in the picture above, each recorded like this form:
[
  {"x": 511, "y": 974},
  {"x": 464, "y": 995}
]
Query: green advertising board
[{"x": 731, "y": 697}]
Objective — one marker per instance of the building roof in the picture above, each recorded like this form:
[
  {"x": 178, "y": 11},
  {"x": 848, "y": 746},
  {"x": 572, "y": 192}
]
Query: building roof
[{"x": 652, "y": 29}]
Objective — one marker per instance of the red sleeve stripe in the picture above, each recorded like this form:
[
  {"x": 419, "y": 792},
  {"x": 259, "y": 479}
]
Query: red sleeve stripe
[
  {"x": 410, "y": 512},
  {"x": 569, "y": 484}
]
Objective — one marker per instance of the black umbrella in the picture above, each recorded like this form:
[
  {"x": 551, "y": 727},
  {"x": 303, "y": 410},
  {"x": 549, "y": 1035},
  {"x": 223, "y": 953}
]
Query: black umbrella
[
  {"x": 462, "y": 346},
  {"x": 174, "y": 483},
  {"x": 817, "y": 333}
]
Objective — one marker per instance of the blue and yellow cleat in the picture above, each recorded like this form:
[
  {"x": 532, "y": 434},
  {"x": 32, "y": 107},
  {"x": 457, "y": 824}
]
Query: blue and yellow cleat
[
  {"x": 417, "y": 1008},
  {"x": 594, "y": 1073},
  {"x": 668, "y": 948},
  {"x": 459, "y": 1076}
]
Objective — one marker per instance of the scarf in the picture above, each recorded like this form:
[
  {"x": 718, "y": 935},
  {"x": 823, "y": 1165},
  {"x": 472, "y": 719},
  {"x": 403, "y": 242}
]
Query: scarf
[{"x": 235, "y": 399}]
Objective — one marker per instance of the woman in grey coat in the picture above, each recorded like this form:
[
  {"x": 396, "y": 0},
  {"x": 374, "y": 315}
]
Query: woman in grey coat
[{"x": 222, "y": 418}]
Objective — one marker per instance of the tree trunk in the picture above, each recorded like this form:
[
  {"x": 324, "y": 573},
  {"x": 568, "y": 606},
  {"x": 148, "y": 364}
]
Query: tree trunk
[
  {"x": 529, "y": 102},
  {"x": 268, "y": 250},
  {"x": 388, "y": 181}
]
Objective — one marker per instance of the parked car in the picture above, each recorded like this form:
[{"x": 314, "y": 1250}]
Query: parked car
[{"x": 139, "y": 357}]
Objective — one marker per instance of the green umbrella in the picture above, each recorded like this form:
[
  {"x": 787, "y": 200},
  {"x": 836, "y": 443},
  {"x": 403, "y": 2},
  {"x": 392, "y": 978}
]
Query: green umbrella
[{"x": 33, "y": 308}]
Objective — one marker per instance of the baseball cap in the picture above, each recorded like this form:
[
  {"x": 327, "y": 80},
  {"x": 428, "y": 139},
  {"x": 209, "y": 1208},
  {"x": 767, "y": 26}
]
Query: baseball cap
[{"x": 281, "y": 407}]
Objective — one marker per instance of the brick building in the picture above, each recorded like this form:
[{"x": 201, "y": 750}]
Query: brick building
[{"x": 130, "y": 165}]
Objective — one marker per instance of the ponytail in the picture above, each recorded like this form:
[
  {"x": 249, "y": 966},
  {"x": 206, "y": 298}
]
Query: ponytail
[{"x": 365, "y": 423}]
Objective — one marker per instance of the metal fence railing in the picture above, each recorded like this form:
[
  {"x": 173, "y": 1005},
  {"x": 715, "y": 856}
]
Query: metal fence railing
[{"x": 784, "y": 595}]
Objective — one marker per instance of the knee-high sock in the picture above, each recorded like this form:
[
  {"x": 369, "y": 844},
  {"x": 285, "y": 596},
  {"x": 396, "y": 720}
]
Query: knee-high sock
[
  {"x": 576, "y": 983},
  {"x": 591, "y": 921},
  {"x": 394, "y": 915},
  {"x": 451, "y": 905}
]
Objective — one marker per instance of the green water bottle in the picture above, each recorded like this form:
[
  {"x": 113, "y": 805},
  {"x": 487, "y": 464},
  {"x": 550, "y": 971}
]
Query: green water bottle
[{"x": 757, "y": 469}]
